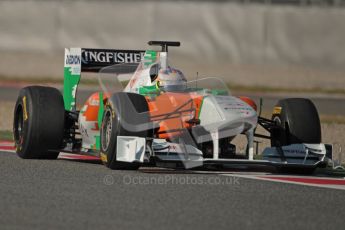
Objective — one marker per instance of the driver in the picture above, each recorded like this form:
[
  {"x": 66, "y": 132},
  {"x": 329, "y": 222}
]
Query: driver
[{"x": 171, "y": 79}]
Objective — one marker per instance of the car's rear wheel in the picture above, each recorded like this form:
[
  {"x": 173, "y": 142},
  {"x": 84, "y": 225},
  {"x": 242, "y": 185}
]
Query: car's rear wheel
[
  {"x": 123, "y": 114},
  {"x": 38, "y": 126}
]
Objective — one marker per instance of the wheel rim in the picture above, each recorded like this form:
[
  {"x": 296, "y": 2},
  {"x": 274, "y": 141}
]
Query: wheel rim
[
  {"x": 277, "y": 120},
  {"x": 283, "y": 134},
  {"x": 106, "y": 130},
  {"x": 18, "y": 127}
]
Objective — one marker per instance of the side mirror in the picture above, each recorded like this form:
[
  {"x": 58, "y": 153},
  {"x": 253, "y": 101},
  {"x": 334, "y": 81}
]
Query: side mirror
[{"x": 154, "y": 69}]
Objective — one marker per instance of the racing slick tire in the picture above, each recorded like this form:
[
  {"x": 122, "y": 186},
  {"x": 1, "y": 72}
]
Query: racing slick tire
[
  {"x": 121, "y": 110},
  {"x": 38, "y": 125},
  {"x": 299, "y": 121}
]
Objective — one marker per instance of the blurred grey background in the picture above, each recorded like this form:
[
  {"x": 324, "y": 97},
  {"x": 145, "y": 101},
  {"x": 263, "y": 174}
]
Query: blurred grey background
[{"x": 287, "y": 43}]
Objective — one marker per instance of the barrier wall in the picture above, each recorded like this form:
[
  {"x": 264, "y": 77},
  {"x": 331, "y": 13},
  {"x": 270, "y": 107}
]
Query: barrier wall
[{"x": 34, "y": 33}]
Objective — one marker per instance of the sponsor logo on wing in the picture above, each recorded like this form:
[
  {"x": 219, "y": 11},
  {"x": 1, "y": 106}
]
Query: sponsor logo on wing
[
  {"x": 109, "y": 57},
  {"x": 73, "y": 59},
  {"x": 294, "y": 151}
]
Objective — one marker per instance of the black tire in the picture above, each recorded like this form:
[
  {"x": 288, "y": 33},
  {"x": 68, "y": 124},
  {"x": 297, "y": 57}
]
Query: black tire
[
  {"x": 121, "y": 111},
  {"x": 38, "y": 125},
  {"x": 299, "y": 122}
]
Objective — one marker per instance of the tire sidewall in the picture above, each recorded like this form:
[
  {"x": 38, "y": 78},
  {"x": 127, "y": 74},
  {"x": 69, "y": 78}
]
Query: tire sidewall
[
  {"x": 110, "y": 149},
  {"x": 118, "y": 107},
  {"x": 23, "y": 143}
]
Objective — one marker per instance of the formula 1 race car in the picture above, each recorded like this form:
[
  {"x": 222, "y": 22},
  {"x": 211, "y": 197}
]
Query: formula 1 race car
[{"x": 159, "y": 118}]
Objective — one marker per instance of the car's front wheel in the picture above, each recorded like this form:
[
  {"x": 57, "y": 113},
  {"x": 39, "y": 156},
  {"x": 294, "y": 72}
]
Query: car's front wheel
[
  {"x": 124, "y": 115},
  {"x": 299, "y": 122}
]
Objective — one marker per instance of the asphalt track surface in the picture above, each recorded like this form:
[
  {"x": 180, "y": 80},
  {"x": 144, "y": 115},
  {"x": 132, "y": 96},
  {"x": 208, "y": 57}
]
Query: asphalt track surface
[
  {"x": 326, "y": 104},
  {"x": 66, "y": 194},
  {"x": 70, "y": 194}
]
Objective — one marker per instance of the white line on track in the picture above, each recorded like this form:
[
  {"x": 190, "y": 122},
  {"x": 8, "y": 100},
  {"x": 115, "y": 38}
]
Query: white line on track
[
  {"x": 261, "y": 177},
  {"x": 62, "y": 155},
  {"x": 264, "y": 176}
]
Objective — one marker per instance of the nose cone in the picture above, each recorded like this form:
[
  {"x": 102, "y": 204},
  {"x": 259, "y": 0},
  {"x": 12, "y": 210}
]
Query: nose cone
[{"x": 219, "y": 112}]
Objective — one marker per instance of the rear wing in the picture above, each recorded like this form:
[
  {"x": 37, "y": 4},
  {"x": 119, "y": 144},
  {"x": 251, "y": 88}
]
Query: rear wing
[{"x": 79, "y": 60}]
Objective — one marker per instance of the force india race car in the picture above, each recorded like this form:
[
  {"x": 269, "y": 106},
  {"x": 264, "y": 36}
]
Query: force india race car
[{"x": 159, "y": 118}]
